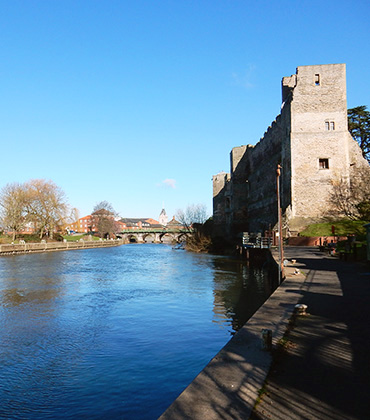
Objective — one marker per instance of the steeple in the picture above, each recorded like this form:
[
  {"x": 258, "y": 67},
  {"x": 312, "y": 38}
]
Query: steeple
[{"x": 163, "y": 219}]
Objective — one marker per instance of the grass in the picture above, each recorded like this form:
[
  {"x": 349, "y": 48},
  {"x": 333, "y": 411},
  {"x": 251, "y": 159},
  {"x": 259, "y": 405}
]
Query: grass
[
  {"x": 343, "y": 227},
  {"x": 75, "y": 238},
  {"x": 5, "y": 239}
]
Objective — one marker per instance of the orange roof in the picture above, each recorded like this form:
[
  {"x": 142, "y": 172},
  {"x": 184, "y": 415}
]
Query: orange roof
[{"x": 152, "y": 221}]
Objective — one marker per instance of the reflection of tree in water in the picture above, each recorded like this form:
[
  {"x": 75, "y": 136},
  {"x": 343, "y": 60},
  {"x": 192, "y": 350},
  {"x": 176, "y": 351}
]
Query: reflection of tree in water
[
  {"x": 240, "y": 290},
  {"x": 31, "y": 280},
  {"x": 15, "y": 297}
]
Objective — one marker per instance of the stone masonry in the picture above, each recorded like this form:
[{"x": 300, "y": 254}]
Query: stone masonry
[{"x": 309, "y": 139}]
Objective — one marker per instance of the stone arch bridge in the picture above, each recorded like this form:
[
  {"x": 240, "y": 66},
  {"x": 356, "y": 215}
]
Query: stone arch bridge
[{"x": 167, "y": 236}]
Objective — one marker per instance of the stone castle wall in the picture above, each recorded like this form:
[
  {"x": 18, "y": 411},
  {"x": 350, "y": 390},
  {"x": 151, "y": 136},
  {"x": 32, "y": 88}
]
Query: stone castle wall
[
  {"x": 319, "y": 134},
  {"x": 310, "y": 140}
]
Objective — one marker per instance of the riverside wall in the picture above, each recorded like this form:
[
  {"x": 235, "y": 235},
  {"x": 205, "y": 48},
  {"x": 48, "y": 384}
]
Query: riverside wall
[{"x": 29, "y": 248}]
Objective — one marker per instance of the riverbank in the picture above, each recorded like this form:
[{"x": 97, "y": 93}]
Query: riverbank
[
  {"x": 230, "y": 384},
  {"x": 29, "y": 248},
  {"x": 334, "y": 338}
]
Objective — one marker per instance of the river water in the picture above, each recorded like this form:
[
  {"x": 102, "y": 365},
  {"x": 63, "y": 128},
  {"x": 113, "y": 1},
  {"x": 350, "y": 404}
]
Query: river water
[{"x": 115, "y": 333}]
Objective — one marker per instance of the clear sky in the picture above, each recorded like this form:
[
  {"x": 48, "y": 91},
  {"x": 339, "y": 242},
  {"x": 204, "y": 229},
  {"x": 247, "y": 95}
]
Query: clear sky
[{"x": 140, "y": 102}]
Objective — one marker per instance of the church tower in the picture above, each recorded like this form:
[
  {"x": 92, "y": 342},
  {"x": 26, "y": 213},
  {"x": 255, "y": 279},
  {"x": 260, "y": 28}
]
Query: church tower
[{"x": 163, "y": 219}]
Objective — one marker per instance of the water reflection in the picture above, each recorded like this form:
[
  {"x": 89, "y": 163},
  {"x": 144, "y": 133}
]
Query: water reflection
[
  {"x": 239, "y": 291},
  {"x": 114, "y": 333}
]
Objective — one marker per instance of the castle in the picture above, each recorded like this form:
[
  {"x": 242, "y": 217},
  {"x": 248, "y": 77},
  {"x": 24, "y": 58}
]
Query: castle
[{"x": 311, "y": 142}]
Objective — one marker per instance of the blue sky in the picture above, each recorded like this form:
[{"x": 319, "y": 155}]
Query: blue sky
[{"x": 140, "y": 102}]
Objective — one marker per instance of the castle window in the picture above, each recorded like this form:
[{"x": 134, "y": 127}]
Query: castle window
[
  {"x": 329, "y": 125},
  {"x": 323, "y": 163},
  {"x": 317, "y": 80}
]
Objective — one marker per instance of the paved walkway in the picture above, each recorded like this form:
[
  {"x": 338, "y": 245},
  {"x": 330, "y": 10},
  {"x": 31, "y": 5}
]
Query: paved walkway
[{"x": 324, "y": 373}]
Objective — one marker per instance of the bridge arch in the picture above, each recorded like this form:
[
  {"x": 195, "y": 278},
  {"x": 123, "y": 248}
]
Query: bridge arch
[
  {"x": 181, "y": 237},
  {"x": 149, "y": 237},
  {"x": 132, "y": 239},
  {"x": 167, "y": 238}
]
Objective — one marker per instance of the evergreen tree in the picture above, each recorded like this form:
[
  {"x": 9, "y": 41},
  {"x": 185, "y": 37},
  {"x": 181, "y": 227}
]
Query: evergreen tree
[{"x": 359, "y": 127}]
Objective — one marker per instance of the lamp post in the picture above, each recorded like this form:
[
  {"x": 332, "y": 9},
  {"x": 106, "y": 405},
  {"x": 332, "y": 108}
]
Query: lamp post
[{"x": 280, "y": 230}]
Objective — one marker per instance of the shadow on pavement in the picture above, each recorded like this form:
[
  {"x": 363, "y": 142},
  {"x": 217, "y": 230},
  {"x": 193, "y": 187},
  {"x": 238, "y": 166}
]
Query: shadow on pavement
[{"x": 324, "y": 371}]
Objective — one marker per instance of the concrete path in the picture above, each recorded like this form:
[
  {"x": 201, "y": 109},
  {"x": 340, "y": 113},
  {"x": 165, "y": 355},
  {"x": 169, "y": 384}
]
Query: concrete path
[{"x": 324, "y": 371}]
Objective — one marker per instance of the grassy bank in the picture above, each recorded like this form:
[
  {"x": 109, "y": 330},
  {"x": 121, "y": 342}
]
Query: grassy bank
[
  {"x": 75, "y": 238},
  {"x": 343, "y": 227}
]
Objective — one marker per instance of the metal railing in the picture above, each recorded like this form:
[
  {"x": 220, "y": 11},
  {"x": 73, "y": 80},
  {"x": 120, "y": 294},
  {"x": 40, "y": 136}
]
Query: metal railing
[{"x": 256, "y": 241}]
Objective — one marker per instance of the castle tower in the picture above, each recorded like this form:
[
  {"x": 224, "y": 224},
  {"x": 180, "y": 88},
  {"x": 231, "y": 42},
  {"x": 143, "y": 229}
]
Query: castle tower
[{"x": 319, "y": 138}]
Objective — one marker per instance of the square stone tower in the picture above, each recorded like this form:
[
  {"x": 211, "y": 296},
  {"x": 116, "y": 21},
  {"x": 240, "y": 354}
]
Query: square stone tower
[{"x": 319, "y": 138}]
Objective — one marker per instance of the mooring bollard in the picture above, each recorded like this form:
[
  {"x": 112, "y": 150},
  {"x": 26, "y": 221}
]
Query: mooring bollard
[
  {"x": 266, "y": 336},
  {"x": 300, "y": 309}
]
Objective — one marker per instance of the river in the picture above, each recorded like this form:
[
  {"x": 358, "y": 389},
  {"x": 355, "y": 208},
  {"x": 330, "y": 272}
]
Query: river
[{"x": 115, "y": 333}]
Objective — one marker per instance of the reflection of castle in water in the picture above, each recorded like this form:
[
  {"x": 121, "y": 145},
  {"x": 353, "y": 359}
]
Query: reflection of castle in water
[{"x": 239, "y": 290}]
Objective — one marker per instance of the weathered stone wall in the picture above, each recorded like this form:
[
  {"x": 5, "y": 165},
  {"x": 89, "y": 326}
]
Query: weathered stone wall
[
  {"x": 221, "y": 203},
  {"x": 310, "y": 140},
  {"x": 319, "y": 137}
]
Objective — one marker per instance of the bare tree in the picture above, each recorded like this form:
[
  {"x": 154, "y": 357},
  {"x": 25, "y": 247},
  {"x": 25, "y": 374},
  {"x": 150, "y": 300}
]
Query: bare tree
[
  {"x": 193, "y": 214},
  {"x": 13, "y": 207},
  {"x": 46, "y": 205},
  {"x": 104, "y": 218},
  {"x": 74, "y": 215},
  {"x": 193, "y": 219},
  {"x": 352, "y": 198}
]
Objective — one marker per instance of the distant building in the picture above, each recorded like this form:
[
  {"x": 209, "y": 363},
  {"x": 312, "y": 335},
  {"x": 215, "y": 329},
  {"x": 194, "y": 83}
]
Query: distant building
[
  {"x": 89, "y": 223},
  {"x": 138, "y": 223},
  {"x": 174, "y": 224},
  {"x": 84, "y": 224},
  {"x": 163, "y": 219},
  {"x": 135, "y": 223}
]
